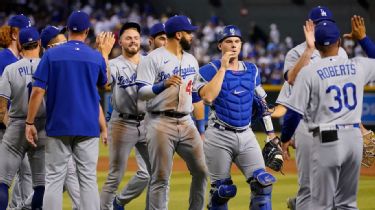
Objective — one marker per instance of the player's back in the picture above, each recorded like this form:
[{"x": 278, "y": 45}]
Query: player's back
[
  {"x": 16, "y": 85},
  {"x": 337, "y": 86}
]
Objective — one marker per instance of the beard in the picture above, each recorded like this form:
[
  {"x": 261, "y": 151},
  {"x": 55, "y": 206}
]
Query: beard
[
  {"x": 130, "y": 50},
  {"x": 185, "y": 44}
]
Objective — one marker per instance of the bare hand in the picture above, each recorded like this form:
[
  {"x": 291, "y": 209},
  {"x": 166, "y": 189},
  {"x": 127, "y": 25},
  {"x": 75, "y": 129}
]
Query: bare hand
[
  {"x": 105, "y": 42},
  {"x": 227, "y": 58},
  {"x": 309, "y": 30},
  {"x": 358, "y": 29},
  {"x": 104, "y": 136},
  {"x": 174, "y": 80},
  {"x": 31, "y": 135},
  {"x": 285, "y": 148}
]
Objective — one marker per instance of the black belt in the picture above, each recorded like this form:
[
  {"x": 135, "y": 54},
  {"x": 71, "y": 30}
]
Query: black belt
[
  {"x": 221, "y": 127},
  {"x": 170, "y": 114},
  {"x": 127, "y": 116}
]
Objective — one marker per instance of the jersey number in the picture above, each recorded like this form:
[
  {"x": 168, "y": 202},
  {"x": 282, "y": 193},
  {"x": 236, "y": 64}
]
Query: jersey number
[
  {"x": 29, "y": 87},
  {"x": 338, "y": 97},
  {"x": 189, "y": 87}
]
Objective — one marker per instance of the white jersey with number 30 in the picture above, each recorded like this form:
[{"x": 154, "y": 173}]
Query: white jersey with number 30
[{"x": 331, "y": 90}]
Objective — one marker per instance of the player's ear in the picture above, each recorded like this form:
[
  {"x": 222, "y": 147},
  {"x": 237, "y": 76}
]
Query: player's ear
[
  {"x": 219, "y": 46},
  {"x": 178, "y": 35}
]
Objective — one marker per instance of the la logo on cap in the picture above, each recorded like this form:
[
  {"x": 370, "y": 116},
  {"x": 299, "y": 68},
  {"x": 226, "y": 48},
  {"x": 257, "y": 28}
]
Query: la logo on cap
[
  {"x": 232, "y": 31},
  {"x": 323, "y": 13}
]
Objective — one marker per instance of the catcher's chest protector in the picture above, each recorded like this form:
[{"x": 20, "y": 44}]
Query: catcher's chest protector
[{"x": 234, "y": 103}]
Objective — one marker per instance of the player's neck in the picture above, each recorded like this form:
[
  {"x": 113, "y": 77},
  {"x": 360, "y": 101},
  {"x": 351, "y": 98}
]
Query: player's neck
[
  {"x": 14, "y": 49},
  {"x": 234, "y": 65},
  {"x": 31, "y": 53},
  {"x": 328, "y": 53},
  {"x": 175, "y": 48},
  {"x": 134, "y": 58}
]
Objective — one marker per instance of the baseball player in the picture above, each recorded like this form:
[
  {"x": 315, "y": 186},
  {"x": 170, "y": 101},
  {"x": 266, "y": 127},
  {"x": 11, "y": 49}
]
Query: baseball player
[
  {"x": 165, "y": 80},
  {"x": 296, "y": 58},
  {"x": 15, "y": 86},
  {"x": 70, "y": 73},
  {"x": 52, "y": 36},
  {"x": 22, "y": 189},
  {"x": 330, "y": 96},
  {"x": 229, "y": 86},
  {"x": 157, "y": 37},
  {"x": 140, "y": 180},
  {"x": 127, "y": 122}
]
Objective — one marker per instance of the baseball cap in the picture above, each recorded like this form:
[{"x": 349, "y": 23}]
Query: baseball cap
[
  {"x": 78, "y": 21},
  {"x": 27, "y": 35},
  {"x": 320, "y": 13},
  {"x": 326, "y": 33},
  {"x": 48, "y": 33},
  {"x": 157, "y": 29},
  {"x": 229, "y": 31},
  {"x": 19, "y": 21},
  {"x": 179, "y": 23},
  {"x": 130, "y": 25}
]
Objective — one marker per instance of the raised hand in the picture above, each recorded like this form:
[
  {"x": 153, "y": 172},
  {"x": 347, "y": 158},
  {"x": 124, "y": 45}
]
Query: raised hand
[{"x": 358, "y": 28}]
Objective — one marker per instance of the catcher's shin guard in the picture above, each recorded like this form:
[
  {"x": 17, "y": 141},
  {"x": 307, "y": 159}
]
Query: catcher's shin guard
[
  {"x": 261, "y": 189},
  {"x": 221, "y": 192}
]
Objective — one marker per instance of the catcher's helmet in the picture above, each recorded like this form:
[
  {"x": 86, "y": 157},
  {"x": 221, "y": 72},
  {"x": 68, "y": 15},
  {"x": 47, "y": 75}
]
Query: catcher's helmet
[{"x": 229, "y": 31}]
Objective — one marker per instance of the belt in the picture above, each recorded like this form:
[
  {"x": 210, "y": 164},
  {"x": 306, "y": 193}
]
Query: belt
[
  {"x": 127, "y": 116},
  {"x": 170, "y": 114},
  {"x": 221, "y": 127},
  {"x": 329, "y": 133}
]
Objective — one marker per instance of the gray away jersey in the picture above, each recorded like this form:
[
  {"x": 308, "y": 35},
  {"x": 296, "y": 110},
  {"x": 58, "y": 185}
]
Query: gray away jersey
[
  {"x": 16, "y": 85},
  {"x": 331, "y": 90},
  {"x": 159, "y": 65},
  {"x": 124, "y": 89},
  {"x": 291, "y": 59}
]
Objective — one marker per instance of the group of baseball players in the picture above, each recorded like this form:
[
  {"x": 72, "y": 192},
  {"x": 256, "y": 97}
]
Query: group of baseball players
[{"x": 52, "y": 119}]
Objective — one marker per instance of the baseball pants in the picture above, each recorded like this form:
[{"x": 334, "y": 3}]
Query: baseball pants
[
  {"x": 335, "y": 170},
  {"x": 85, "y": 151},
  {"x": 71, "y": 184},
  {"x": 223, "y": 147},
  {"x": 124, "y": 136},
  {"x": 13, "y": 150},
  {"x": 165, "y": 136},
  {"x": 304, "y": 143}
]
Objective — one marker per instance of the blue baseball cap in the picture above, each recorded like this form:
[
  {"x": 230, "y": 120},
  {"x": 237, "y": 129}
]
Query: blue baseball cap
[
  {"x": 326, "y": 33},
  {"x": 27, "y": 35},
  {"x": 156, "y": 29},
  {"x": 229, "y": 31},
  {"x": 19, "y": 21},
  {"x": 320, "y": 13},
  {"x": 48, "y": 33},
  {"x": 179, "y": 23},
  {"x": 78, "y": 21}
]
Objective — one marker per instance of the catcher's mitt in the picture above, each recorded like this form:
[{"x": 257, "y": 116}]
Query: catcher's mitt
[
  {"x": 273, "y": 154},
  {"x": 368, "y": 157}
]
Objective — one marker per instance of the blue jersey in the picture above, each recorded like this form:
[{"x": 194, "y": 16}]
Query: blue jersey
[
  {"x": 6, "y": 58},
  {"x": 71, "y": 73}
]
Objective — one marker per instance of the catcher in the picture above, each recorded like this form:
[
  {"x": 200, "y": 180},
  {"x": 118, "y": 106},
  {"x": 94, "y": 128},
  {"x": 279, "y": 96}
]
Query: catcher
[{"x": 230, "y": 87}]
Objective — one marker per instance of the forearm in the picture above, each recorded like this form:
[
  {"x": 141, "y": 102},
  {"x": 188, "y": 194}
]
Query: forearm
[
  {"x": 36, "y": 99},
  {"x": 368, "y": 46},
  {"x": 199, "y": 116},
  {"x": 145, "y": 93},
  {"x": 302, "y": 61},
  {"x": 279, "y": 111},
  {"x": 291, "y": 121},
  {"x": 102, "y": 121},
  {"x": 211, "y": 90},
  {"x": 3, "y": 109}
]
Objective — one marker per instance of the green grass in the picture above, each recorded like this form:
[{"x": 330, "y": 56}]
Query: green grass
[{"x": 285, "y": 187}]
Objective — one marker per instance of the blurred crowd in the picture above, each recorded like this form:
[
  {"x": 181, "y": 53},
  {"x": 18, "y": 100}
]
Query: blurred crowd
[{"x": 267, "y": 48}]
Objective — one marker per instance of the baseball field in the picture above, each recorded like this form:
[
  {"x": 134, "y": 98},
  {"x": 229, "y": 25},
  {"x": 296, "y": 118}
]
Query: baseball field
[{"x": 285, "y": 187}]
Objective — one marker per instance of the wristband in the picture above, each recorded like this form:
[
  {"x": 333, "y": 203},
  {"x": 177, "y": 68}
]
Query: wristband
[
  {"x": 27, "y": 123},
  {"x": 200, "y": 126}
]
